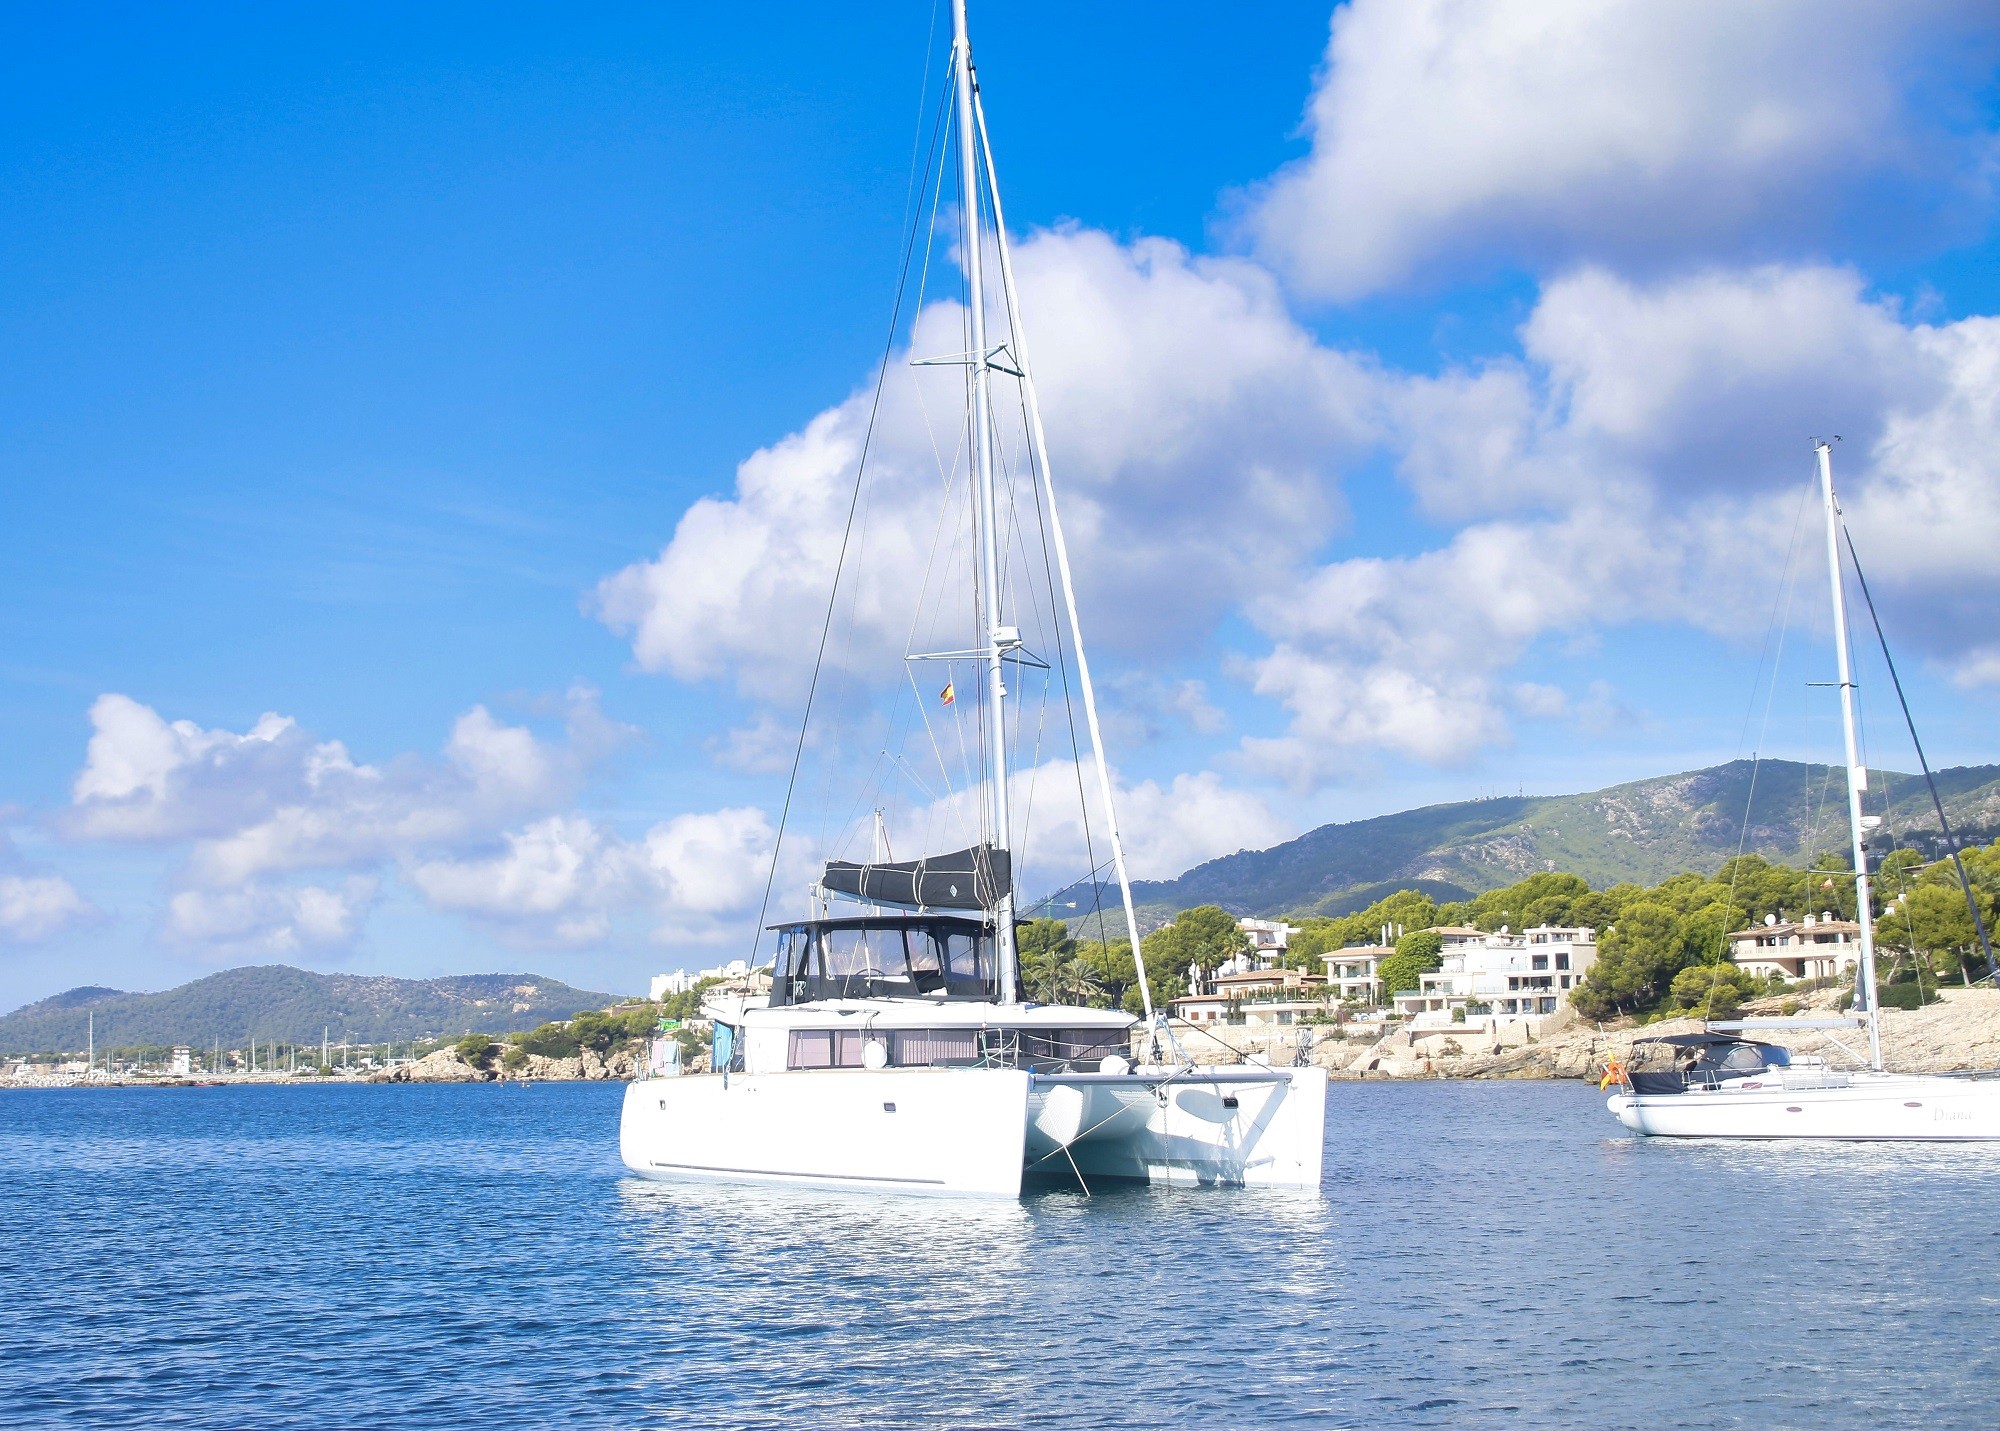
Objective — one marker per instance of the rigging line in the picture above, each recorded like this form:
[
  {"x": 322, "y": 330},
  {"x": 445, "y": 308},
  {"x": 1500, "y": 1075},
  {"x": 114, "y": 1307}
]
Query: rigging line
[
  {"x": 833, "y": 597},
  {"x": 1951, "y": 842},
  {"x": 910, "y": 775},
  {"x": 936, "y": 749},
  {"x": 843, "y": 680}
]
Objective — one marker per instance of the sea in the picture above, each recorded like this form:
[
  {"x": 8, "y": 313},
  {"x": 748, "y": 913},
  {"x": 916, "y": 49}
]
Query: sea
[{"x": 476, "y": 1257}]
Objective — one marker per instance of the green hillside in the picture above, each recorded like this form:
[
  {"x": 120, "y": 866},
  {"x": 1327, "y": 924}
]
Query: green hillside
[
  {"x": 1643, "y": 832},
  {"x": 282, "y": 1003}
]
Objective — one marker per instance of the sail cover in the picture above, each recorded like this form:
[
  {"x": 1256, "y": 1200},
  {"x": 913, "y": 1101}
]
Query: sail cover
[{"x": 964, "y": 879}]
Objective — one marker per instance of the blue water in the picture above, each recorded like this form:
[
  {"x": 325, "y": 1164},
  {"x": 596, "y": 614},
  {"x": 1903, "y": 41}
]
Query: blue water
[{"x": 475, "y": 1257}]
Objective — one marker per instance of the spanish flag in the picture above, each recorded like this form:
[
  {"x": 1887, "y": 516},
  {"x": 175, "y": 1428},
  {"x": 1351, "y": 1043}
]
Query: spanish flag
[{"x": 947, "y": 695}]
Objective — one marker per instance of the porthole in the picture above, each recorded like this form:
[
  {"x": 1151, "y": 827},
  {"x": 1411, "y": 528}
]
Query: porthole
[
  {"x": 1795, "y": 1110},
  {"x": 1913, "y": 1105}
]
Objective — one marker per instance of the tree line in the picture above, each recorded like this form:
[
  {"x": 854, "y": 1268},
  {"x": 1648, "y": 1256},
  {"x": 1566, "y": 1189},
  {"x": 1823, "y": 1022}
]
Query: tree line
[{"x": 1661, "y": 948}]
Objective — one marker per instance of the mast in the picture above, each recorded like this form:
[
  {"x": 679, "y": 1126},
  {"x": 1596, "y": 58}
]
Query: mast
[
  {"x": 1039, "y": 438},
  {"x": 999, "y": 639},
  {"x": 1857, "y": 773}
]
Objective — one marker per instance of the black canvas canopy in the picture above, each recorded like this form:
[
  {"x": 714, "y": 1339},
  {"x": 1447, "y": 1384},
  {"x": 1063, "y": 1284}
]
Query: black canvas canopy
[{"x": 964, "y": 879}]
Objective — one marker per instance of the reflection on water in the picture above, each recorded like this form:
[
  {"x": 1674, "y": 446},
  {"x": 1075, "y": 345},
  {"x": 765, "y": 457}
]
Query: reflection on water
[{"x": 1480, "y": 1254}]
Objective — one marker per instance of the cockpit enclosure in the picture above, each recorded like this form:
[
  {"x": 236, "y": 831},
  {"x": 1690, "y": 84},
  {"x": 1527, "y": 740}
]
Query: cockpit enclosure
[
  {"x": 1676, "y": 1063},
  {"x": 897, "y": 956}
]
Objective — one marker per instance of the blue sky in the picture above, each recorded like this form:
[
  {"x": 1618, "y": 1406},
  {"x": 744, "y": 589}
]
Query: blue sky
[{"x": 362, "y": 369}]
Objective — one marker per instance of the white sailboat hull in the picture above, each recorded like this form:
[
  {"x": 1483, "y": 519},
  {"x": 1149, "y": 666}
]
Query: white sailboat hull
[
  {"x": 1869, "y": 1107},
  {"x": 978, "y": 1131}
]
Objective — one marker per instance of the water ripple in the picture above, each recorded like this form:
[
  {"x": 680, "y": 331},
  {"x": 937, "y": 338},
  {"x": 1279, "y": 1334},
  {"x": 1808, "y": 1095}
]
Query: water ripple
[{"x": 1480, "y": 1254}]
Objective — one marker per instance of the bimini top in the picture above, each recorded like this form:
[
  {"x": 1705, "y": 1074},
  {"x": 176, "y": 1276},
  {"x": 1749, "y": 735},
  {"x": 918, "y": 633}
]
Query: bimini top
[
  {"x": 885, "y": 956},
  {"x": 1674, "y": 1063}
]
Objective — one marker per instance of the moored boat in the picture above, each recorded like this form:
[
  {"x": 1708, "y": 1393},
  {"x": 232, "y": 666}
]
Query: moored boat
[
  {"x": 897, "y": 1049},
  {"x": 1719, "y": 1084}
]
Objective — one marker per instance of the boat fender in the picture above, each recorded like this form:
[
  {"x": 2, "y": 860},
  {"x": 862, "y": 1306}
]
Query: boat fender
[
  {"x": 1112, "y": 1063},
  {"x": 874, "y": 1054}
]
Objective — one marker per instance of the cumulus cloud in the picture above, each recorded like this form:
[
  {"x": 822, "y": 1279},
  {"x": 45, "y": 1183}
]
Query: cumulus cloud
[
  {"x": 1198, "y": 429},
  {"x": 1644, "y": 459},
  {"x": 560, "y": 880},
  {"x": 273, "y": 800},
  {"x": 32, "y": 907},
  {"x": 1622, "y": 130},
  {"x": 264, "y": 920},
  {"x": 478, "y": 830}
]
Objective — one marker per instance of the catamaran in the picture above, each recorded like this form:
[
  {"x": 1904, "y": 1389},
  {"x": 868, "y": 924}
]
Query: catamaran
[
  {"x": 1720, "y": 1083},
  {"x": 896, "y": 1050}
]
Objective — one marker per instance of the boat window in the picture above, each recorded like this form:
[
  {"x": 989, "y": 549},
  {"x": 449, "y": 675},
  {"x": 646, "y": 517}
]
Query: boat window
[
  {"x": 792, "y": 971},
  {"x": 861, "y": 962},
  {"x": 825, "y": 1048},
  {"x": 968, "y": 963},
  {"x": 931, "y": 1048},
  {"x": 926, "y": 961}
]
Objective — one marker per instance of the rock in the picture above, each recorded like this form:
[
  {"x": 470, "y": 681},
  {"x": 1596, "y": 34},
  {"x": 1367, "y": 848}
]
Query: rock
[{"x": 444, "y": 1066}]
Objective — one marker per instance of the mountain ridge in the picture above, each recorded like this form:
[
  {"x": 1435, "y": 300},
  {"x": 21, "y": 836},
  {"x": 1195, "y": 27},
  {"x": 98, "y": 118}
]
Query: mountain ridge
[
  {"x": 1642, "y": 830},
  {"x": 277, "y": 1001}
]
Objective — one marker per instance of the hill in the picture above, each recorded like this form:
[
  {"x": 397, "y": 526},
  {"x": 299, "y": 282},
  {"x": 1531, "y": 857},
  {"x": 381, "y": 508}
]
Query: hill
[
  {"x": 1643, "y": 831},
  {"x": 287, "y": 1004}
]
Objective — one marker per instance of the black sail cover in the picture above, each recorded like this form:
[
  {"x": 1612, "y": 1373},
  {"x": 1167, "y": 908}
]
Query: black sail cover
[{"x": 964, "y": 879}]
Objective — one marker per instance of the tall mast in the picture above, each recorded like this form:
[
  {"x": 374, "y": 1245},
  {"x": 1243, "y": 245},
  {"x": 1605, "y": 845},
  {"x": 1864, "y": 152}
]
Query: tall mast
[
  {"x": 1857, "y": 773},
  {"x": 999, "y": 638},
  {"x": 1041, "y": 452}
]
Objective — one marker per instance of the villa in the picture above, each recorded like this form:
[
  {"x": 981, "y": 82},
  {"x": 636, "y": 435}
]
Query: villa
[
  {"x": 1820, "y": 947},
  {"x": 1502, "y": 976}
]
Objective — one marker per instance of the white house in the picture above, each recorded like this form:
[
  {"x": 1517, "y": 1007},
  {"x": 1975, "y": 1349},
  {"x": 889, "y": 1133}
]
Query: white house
[
  {"x": 680, "y": 981},
  {"x": 1268, "y": 937},
  {"x": 1819, "y": 947},
  {"x": 1351, "y": 972},
  {"x": 1501, "y": 976},
  {"x": 1252, "y": 996}
]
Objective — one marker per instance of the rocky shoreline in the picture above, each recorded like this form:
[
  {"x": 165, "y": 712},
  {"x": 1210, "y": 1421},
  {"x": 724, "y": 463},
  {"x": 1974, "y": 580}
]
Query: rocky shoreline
[
  {"x": 448, "y": 1065},
  {"x": 1959, "y": 1033}
]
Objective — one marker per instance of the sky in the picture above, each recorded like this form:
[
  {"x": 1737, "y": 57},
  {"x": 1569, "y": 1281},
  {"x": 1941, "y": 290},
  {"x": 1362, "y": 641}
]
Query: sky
[{"x": 424, "y": 434}]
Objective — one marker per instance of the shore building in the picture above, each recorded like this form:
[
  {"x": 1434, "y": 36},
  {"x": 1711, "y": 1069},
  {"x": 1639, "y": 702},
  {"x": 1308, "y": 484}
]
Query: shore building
[
  {"x": 736, "y": 971},
  {"x": 1250, "y": 988},
  {"x": 1816, "y": 947},
  {"x": 1499, "y": 977},
  {"x": 1352, "y": 973}
]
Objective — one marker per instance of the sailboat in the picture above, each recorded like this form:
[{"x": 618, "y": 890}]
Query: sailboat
[
  {"x": 1722, "y": 1083},
  {"x": 896, "y": 1050}
]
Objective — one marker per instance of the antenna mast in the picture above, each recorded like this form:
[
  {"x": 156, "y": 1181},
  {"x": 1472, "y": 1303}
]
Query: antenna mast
[
  {"x": 999, "y": 639},
  {"x": 1857, "y": 773}
]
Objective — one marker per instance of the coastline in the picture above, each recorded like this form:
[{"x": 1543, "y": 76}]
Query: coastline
[{"x": 1959, "y": 1033}]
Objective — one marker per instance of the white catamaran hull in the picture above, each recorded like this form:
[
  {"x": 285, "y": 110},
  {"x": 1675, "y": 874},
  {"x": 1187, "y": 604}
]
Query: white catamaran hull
[
  {"x": 978, "y": 1130},
  {"x": 1867, "y": 1107}
]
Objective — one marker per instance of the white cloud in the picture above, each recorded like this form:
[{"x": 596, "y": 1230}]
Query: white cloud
[
  {"x": 32, "y": 907},
  {"x": 261, "y": 920},
  {"x": 255, "y": 808},
  {"x": 1645, "y": 459},
  {"x": 562, "y": 880},
  {"x": 274, "y": 801},
  {"x": 1196, "y": 429},
  {"x": 1622, "y": 130}
]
